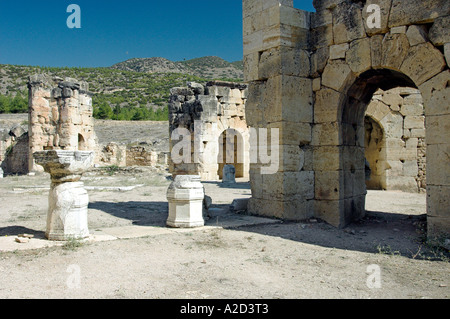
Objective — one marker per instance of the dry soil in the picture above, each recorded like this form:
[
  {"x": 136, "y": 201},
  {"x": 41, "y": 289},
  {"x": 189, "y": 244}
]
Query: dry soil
[{"x": 263, "y": 259}]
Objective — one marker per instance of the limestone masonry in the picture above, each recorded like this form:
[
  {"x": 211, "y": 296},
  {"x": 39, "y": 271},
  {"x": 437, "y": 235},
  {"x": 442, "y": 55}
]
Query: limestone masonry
[
  {"x": 60, "y": 116},
  {"x": 360, "y": 98},
  {"x": 214, "y": 116},
  {"x": 312, "y": 75}
]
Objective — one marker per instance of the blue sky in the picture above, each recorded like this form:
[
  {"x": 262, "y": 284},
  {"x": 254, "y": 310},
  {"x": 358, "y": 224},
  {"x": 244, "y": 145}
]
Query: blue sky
[{"x": 34, "y": 32}]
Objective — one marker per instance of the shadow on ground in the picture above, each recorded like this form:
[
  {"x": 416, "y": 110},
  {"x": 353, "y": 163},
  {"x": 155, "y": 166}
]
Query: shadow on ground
[
  {"x": 378, "y": 232},
  {"x": 140, "y": 213},
  {"x": 238, "y": 185},
  {"x": 15, "y": 230}
]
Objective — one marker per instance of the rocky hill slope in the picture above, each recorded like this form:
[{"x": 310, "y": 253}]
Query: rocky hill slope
[
  {"x": 137, "y": 89},
  {"x": 206, "y": 67}
]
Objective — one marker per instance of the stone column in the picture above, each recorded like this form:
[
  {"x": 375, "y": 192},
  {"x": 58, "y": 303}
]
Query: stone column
[
  {"x": 68, "y": 200},
  {"x": 185, "y": 196}
]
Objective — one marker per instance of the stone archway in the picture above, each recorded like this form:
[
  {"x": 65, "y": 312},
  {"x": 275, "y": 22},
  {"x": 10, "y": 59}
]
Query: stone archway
[
  {"x": 353, "y": 135},
  {"x": 311, "y": 75},
  {"x": 395, "y": 140},
  {"x": 81, "y": 143},
  {"x": 231, "y": 152},
  {"x": 421, "y": 66}
]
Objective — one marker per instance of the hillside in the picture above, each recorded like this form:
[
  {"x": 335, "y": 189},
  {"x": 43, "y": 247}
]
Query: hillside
[
  {"x": 136, "y": 89},
  {"x": 206, "y": 67}
]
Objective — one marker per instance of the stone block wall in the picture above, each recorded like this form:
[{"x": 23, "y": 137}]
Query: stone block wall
[
  {"x": 111, "y": 154},
  {"x": 14, "y": 151},
  {"x": 277, "y": 67},
  {"x": 395, "y": 140},
  {"x": 214, "y": 116},
  {"x": 16, "y": 159},
  {"x": 60, "y": 115},
  {"x": 142, "y": 154},
  {"x": 312, "y": 75}
]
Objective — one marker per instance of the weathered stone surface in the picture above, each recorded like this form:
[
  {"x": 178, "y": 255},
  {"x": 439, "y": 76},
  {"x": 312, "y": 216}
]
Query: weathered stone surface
[
  {"x": 439, "y": 200},
  {"x": 417, "y": 34},
  {"x": 197, "y": 88},
  {"x": 439, "y": 171},
  {"x": 378, "y": 110},
  {"x": 447, "y": 53},
  {"x": 358, "y": 56},
  {"x": 347, "y": 22},
  {"x": 322, "y": 36},
  {"x": 398, "y": 30},
  {"x": 319, "y": 60},
  {"x": 60, "y": 115},
  {"x": 414, "y": 122},
  {"x": 436, "y": 94},
  {"x": 17, "y": 131},
  {"x": 68, "y": 208},
  {"x": 325, "y": 134},
  {"x": 327, "y": 105},
  {"x": 345, "y": 50},
  {"x": 185, "y": 196},
  {"x": 229, "y": 174},
  {"x": 422, "y": 62},
  {"x": 439, "y": 33},
  {"x": 338, "y": 51},
  {"x": 65, "y": 165},
  {"x": 239, "y": 205},
  {"x": 68, "y": 200},
  {"x": 376, "y": 48},
  {"x": 331, "y": 211},
  {"x": 416, "y": 11},
  {"x": 206, "y": 117},
  {"x": 270, "y": 63},
  {"x": 394, "y": 50},
  {"x": 336, "y": 75},
  {"x": 412, "y": 110},
  {"x": 438, "y": 129},
  {"x": 326, "y": 158}
]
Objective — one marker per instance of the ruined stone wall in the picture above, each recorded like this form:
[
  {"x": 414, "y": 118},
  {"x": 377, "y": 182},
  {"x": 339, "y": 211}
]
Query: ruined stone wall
[
  {"x": 60, "y": 115},
  {"x": 16, "y": 157},
  {"x": 111, "y": 154},
  {"x": 397, "y": 154},
  {"x": 209, "y": 111},
  {"x": 14, "y": 151},
  {"x": 312, "y": 75},
  {"x": 143, "y": 154}
]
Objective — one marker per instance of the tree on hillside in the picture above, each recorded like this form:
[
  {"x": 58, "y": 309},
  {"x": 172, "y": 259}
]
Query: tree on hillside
[
  {"x": 103, "y": 111},
  {"x": 142, "y": 114},
  {"x": 19, "y": 105},
  {"x": 4, "y": 104}
]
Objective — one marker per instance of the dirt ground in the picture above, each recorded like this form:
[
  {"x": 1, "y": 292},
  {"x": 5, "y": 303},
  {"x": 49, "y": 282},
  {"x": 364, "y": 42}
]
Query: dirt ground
[{"x": 227, "y": 259}]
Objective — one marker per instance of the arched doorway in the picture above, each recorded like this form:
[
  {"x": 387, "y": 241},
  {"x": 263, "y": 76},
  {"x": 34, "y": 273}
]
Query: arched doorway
[
  {"x": 231, "y": 152},
  {"x": 81, "y": 143},
  {"x": 355, "y": 140}
]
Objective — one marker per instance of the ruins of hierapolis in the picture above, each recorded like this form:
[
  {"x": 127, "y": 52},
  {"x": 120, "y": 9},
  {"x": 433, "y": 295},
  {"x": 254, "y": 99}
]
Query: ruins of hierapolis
[
  {"x": 359, "y": 103},
  {"x": 313, "y": 75}
]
